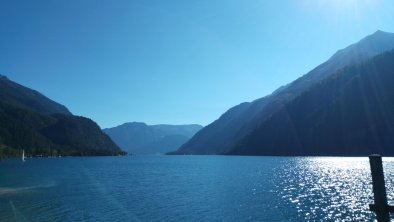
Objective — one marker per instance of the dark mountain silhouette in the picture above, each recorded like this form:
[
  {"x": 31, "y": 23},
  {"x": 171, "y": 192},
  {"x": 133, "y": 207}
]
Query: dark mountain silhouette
[
  {"x": 23, "y": 97},
  {"x": 221, "y": 135},
  {"x": 349, "y": 114},
  {"x": 140, "y": 138},
  {"x": 40, "y": 126}
]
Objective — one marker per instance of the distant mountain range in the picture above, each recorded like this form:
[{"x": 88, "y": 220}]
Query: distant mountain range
[
  {"x": 140, "y": 138},
  {"x": 342, "y": 107},
  {"x": 40, "y": 126}
]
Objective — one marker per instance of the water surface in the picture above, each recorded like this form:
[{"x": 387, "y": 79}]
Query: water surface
[{"x": 188, "y": 188}]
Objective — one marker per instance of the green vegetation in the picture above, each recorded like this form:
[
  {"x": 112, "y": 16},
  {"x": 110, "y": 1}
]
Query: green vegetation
[
  {"x": 17, "y": 95},
  {"x": 42, "y": 127},
  {"x": 51, "y": 135}
]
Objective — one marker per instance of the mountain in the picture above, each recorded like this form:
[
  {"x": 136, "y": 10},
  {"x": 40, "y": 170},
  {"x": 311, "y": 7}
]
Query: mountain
[
  {"x": 40, "y": 126},
  {"x": 349, "y": 114},
  {"x": 238, "y": 122},
  {"x": 140, "y": 138},
  {"x": 23, "y": 97}
]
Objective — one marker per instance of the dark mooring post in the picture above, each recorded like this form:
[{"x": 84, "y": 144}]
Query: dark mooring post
[{"x": 380, "y": 207}]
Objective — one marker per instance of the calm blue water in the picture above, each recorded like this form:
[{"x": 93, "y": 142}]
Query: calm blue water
[{"x": 188, "y": 188}]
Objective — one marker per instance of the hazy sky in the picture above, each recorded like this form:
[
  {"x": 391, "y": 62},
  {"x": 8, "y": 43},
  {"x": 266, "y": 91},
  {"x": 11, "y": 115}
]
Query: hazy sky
[{"x": 169, "y": 61}]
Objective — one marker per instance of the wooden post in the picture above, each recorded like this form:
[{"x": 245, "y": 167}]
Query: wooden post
[{"x": 380, "y": 206}]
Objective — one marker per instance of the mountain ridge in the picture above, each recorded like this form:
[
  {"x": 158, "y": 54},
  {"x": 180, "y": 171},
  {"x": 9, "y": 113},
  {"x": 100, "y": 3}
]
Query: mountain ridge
[
  {"x": 349, "y": 114},
  {"x": 140, "y": 138},
  {"x": 219, "y": 136},
  {"x": 24, "y": 97},
  {"x": 42, "y": 127}
]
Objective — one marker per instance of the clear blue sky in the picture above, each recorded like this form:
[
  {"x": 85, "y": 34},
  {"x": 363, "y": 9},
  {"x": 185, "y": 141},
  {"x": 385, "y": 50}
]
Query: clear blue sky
[{"x": 173, "y": 61}]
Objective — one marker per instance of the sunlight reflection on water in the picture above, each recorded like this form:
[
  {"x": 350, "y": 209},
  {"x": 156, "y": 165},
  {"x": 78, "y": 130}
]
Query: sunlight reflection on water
[
  {"x": 190, "y": 188},
  {"x": 332, "y": 188}
]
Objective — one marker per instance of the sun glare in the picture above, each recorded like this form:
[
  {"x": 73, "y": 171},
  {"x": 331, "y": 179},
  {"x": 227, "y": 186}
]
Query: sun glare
[
  {"x": 339, "y": 11},
  {"x": 341, "y": 6}
]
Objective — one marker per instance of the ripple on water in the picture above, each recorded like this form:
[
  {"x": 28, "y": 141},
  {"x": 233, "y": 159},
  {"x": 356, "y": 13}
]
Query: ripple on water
[
  {"x": 330, "y": 188},
  {"x": 190, "y": 188}
]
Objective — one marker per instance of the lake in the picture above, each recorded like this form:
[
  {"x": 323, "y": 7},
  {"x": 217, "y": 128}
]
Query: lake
[{"x": 188, "y": 188}]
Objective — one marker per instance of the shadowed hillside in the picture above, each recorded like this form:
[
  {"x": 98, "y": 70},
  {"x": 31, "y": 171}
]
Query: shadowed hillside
[
  {"x": 220, "y": 136},
  {"x": 40, "y": 126}
]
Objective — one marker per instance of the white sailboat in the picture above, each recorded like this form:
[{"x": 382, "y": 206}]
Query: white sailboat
[{"x": 23, "y": 155}]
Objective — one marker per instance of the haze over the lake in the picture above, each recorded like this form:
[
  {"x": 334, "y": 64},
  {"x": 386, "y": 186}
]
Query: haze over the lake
[{"x": 173, "y": 61}]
